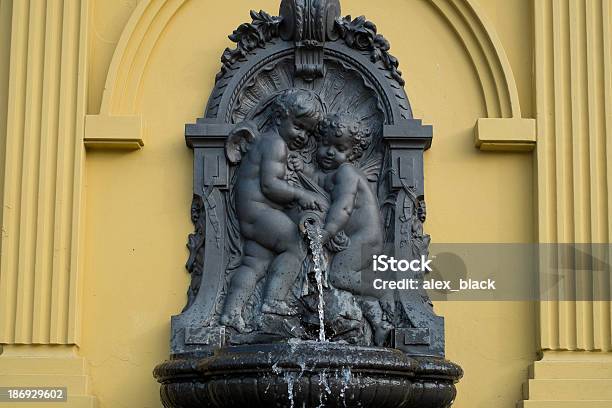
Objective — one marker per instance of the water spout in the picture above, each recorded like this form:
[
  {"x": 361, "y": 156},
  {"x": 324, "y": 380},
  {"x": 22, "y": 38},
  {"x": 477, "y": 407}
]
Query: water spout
[{"x": 315, "y": 237}]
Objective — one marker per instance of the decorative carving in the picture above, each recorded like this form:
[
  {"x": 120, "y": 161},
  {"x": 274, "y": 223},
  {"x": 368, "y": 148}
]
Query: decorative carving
[
  {"x": 362, "y": 35},
  {"x": 195, "y": 244},
  {"x": 415, "y": 218},
  {"x": 309, "y": 23},
  {"x": 268, "y": 278},
  {"x": 249, "y": 36},
  {"x": 260, "y": 294}
]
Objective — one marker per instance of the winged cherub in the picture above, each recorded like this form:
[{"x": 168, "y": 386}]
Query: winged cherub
[
  {"x": 272, "y": 242},
  {"x": 353, "y": 209}
]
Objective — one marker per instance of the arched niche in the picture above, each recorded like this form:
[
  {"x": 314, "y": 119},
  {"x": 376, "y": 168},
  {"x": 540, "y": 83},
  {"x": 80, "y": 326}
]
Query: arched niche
[{"x": 120, "y": 111}]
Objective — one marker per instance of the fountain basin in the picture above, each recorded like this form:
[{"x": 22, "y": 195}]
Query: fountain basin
[{"x": 307, "y": 374}]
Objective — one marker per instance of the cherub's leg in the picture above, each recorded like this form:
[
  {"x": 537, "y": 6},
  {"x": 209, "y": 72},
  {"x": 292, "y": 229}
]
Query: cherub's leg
[
  {"x": 374, "y": 315},
  {"x": 284, "y": 239},
  {"x": 350, "y": 270},
  {"x": 283, "y": 271},
  {"x": 255, "y": 261}
]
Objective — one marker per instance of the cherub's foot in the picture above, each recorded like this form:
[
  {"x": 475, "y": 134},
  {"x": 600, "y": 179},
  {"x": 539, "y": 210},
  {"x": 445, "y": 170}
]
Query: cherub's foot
[
  {"x": 278, "y": 307},
  {"x": 381, "y": 333},
  {"x": 234, "y": 320}
]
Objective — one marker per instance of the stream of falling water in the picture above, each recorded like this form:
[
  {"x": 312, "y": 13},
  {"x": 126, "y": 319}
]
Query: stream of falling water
[
  {"x": 313, "y": 231},
  {"x": 315, "y": 237}
]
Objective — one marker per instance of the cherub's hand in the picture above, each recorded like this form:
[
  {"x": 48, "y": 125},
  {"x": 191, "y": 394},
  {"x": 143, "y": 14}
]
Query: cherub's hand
[
  {"x": 308, "y": 201},
  {"x": 325, "y": 236},
  {"x": 338, "y": 242},
  {"x": 341, "y": 240},
  {"x": 295, "y": 163}
]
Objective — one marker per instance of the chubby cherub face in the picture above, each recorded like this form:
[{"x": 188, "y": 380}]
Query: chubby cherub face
[
  {"x": 334, "y": 150},
  {"x": 295, "y": 131}
]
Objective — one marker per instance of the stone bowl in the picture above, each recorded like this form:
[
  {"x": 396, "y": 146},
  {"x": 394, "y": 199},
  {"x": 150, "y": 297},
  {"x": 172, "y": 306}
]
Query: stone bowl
[{"x": 307, "y": 374}]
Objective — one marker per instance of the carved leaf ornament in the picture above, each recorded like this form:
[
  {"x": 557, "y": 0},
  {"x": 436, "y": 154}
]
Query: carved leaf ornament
[{"x": 359, "y": 34}]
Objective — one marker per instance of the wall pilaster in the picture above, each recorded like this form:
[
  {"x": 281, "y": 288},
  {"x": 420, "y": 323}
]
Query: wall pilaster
[
  {"x": 573, "y": 69},
  {"x": 39, "y": 284},
  {"x": 574, "y": 155},
  {"x": 44, "y": 43}
]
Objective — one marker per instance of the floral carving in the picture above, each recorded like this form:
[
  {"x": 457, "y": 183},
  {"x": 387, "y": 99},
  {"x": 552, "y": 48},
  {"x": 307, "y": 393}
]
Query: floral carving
[
  {"x": 249, "y": 36},
  {"x": 362, "y": 35},
  {"x": 195, "y": 244}
]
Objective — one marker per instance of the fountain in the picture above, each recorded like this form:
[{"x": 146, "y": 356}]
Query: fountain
[{"x": 307, "y": 163}]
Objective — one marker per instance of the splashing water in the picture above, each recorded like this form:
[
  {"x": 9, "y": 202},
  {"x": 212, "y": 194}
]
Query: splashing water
[
  {"x": 327, "y": 390},
  {"x": 346, "y": 379},
  {"x": 290, "y": 382},
  {"x": 313, "y": 231}
]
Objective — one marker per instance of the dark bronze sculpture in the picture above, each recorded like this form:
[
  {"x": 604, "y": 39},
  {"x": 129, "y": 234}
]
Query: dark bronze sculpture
[
  {"x": 307, "y": 163},
  {"x": 272, "y": 243}
]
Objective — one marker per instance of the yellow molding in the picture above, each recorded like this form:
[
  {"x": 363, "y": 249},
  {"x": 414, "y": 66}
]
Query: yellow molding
[
  {"x": 135, "y": 46},
  {"x": 504, "y": 129},
  {"x": 487, "y": 54},
  {"x": 570, "y": 379},
  {"x": 113, "y": 132},
  {"x": 569, "y": 389},
  {"x": 123, "y": 82},
  {"x": 564, "y": 404},
  {"x": 512, "y": 134},
  {"x": 151, "y": 17},
  {"x": 578, "y": 356},
  {"x": 48, "y": 366}
]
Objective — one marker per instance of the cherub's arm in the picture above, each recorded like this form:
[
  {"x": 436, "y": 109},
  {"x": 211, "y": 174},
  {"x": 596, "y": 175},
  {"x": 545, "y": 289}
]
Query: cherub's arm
[
  {"x": 273, "y": 183},
  {"x": 343, "y": 199}
]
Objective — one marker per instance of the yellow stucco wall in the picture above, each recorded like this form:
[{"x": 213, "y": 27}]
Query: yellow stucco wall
[{"x": 137, "y": 203}]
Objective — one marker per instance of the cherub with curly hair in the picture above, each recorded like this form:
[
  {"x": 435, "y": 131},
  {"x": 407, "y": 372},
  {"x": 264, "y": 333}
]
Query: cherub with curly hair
[
  {"x": 353, "y": 209},
  {"x": 272, "y": 243}
]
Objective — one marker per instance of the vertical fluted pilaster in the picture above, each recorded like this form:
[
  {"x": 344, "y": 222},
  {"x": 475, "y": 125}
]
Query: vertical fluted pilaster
[
  {"x": 6, "y": 14},
  {"x": 574, "y": 158},
  {"x": 42, "y": 174}
]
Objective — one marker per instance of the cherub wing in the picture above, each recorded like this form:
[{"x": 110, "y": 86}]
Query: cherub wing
[
  {"x": 371, "y": 166},
  {"x": 238, "y": 141}
]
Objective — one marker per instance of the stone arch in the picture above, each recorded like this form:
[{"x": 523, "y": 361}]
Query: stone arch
[
  {"x": 136, "y": 44},
  {"x": 465, "y": 17},
  {"x": 486, "y": 53}
]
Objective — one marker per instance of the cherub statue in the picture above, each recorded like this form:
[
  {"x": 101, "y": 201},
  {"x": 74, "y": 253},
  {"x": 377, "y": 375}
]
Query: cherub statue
[
  {"x": 272, "y": 243},
  {"x": 353, "y": 209}
]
